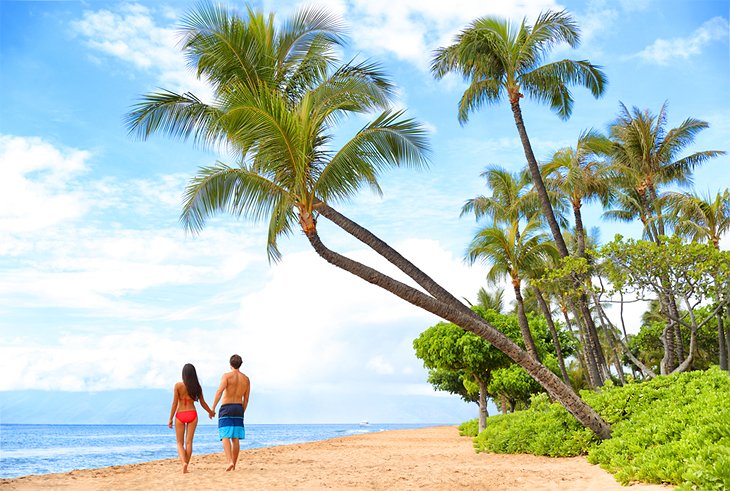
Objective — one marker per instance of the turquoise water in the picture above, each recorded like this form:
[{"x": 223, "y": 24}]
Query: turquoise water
[{"x": 44, "y": 449}]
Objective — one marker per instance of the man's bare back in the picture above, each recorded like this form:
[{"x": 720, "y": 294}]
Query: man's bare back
[{"x": 235, "y": 386}]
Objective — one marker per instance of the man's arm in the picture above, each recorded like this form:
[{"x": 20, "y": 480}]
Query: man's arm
[
  {"x": 219, "y": 392},
  {"x": 246, "y": 393}
]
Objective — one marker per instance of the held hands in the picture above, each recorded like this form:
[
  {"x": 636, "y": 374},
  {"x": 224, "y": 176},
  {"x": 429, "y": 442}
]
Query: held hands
[
  {"x": 169, "y": 425},
  {"x": 211, "y": 414}
]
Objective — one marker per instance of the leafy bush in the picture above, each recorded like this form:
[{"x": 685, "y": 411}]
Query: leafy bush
[
  {"x": 469, "y": 428},
  {"x": 673, "y": 429},
  {"x": 544, "y": 429}
]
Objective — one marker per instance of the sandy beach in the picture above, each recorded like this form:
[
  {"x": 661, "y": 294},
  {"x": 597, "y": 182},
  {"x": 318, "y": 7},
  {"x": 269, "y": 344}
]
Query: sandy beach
[{"x": 429, "y": 458}]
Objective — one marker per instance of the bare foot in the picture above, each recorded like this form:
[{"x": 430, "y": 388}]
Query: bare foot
[
  {"x": 230, "y": 467},
  {"x": 185, "y": 468}
]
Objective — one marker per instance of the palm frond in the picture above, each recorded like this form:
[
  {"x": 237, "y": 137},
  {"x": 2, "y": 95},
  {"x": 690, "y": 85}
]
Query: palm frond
[
  {"x": 238, "y": 191},
  {"x": 389, "y": 141},
  {"x": 177, "y": 115}
]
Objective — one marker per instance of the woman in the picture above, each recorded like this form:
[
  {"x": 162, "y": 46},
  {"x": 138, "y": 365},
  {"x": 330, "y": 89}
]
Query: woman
[{"x": 183, "y": 409}]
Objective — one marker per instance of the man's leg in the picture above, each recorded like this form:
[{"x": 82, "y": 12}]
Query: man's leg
[
  {"x": 236, "y": 448},
  {"x": 229, "y": 455}
]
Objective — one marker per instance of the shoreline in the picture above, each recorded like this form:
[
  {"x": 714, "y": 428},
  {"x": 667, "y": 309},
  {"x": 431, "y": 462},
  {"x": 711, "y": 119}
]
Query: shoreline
[{"x": 432, "y": 457}]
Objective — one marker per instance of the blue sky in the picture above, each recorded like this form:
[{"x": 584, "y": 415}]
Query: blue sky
[{"x": 101, "y": 289}]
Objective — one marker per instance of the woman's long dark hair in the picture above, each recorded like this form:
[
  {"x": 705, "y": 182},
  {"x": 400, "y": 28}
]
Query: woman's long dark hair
[{"x": 190, "y": 379}]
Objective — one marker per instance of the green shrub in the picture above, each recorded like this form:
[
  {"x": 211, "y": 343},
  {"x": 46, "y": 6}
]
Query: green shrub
[
  {"x": 676, "y": 429},
  {"x": 543, "y": 429},
  {"x": 469, "y": 428},
  {"x": 673, "y": 429}
]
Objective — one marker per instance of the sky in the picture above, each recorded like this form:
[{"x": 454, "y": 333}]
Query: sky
[{"x": 104, "y": 297}]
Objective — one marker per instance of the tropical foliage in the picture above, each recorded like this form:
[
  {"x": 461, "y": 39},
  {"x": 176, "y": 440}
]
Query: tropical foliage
[{"x": 673, "y": 429}]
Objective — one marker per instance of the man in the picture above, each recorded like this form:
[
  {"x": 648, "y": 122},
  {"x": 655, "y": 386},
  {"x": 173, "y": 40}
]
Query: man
[{"x": 235, "y": 387}]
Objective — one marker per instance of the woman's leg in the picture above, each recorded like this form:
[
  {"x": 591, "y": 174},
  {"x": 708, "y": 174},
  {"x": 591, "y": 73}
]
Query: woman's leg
[
  {"x": 180, "y": 436},
  {"x": 189, "y": 439}
]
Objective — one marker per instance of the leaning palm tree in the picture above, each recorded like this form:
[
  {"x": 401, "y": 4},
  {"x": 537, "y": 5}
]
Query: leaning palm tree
[
  {"x": 511, "y": 253},
  {"x": 290, "y": 173},
  {"x": 501, "y": 59}
]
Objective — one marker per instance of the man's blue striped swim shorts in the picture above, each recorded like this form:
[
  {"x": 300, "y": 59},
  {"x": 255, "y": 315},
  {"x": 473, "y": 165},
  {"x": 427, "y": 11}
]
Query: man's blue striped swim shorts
[{"x": 230, "y": 421}]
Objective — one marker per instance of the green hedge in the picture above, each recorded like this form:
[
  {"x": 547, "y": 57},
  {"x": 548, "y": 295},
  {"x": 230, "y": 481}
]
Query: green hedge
[
  {"x": 469, "y": 428},
  {"x": 673, "y": 429}
]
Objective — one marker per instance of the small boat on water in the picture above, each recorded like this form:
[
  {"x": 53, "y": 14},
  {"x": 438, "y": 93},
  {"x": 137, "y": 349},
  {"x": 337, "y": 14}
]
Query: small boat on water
[{"x": 364, "y": 423}]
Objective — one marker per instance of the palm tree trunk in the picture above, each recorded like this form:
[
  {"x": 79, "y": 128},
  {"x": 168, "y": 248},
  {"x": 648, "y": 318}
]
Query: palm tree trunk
[
  {"x": 594, "y": 374},
  {"x": 580, "y": 233},
  {"x": 473, "y": 323},
  {"x": 522, "y": 320},
  {"x": 581, "y": 352},
  {"x": 667, "y": 337},
  {"x": 645, "y": 371},
  {"x": 592, "y": 336},
  {"x": 537, "y": 180},
  {"x": 553, "y": 333},
  {"x": 547, "y": 209}
]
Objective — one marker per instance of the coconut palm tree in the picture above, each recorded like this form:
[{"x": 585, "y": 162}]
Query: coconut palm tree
[
  {"x": 510, "y": 201},
  {"x": 512, "y": 253},
  {"x": 646, "y": 157},
  {"x": 289, "y": 172},
  {"x": 501, "y": 59}
]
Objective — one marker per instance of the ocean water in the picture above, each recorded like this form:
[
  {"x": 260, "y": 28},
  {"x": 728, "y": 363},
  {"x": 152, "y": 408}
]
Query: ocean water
[{"x": 45, "y": 449}]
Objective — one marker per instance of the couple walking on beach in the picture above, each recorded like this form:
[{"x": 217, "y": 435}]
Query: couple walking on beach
[{"x": 234, "y": 390}]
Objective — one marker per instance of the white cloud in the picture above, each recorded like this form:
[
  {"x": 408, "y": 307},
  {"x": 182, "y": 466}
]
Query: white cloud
[
  {"x": 131, "y": 33},
  {"x": 37, "y": 184},
  {"x": 380, "y": 365},
  {"x": 303, "y": 320},
  {"x": 58, "y": 248},
  {"x": 411, "y": 29},
  {"x": 664, "y": 51}
]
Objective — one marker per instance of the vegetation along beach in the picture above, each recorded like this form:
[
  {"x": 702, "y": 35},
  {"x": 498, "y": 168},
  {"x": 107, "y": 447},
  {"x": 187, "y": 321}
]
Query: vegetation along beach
[{"x": 496, "y": 235}]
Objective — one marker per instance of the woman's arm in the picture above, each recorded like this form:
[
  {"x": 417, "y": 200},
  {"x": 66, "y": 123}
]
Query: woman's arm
[
  {"x": 174, "y": 405},
  {"x": 205, "y": 406}
]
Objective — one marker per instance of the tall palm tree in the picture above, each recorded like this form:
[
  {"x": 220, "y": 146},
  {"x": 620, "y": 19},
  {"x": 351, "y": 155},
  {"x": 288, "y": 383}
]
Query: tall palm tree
[
  {"x": 646, "y": 158},
  {"x": 701, "y": 218},
  {"x": 705, "y": 218},
  {"x": 501, "y": 59},
  {"x": 511, "y": 201},
  {"x": 511, "y": 253},
  {"x": 290, "y": 173}
]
